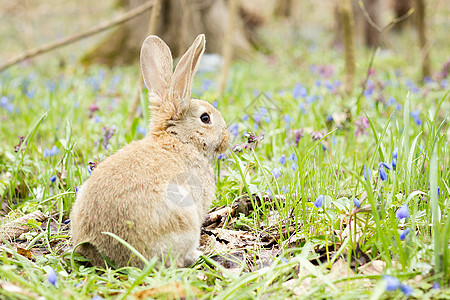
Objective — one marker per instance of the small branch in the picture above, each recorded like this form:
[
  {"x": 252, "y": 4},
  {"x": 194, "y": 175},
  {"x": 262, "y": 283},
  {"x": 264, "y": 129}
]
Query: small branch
[
  {"x": 380, "y": 31},
  {"x": 76, "y": 37}
]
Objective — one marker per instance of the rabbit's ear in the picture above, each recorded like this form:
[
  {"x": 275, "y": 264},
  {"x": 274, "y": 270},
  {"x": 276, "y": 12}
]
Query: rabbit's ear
[
  {"x": 157, "y": 68},
  {"x": 181, "y": 85}
]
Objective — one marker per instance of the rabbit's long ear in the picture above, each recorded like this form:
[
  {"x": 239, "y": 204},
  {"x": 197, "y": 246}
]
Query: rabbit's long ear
[
  {"x": 157, "y": 69},
  {"x": 183, "y": 76}
]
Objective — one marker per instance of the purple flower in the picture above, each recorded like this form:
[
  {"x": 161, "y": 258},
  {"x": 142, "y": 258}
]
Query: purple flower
[
  {"x": 52, "y": 277},
  {"x": 391, "y": 100},
  {"x": 356, "y": 202},
  {"x": 402, "y": 212},
  {"x": 109, "y": 132},
  {"x": 293, "y": 157},
  {"x": 276, "y": 173},
  {"x": 406, "y": 289},
  {"x": 89, "y": 169},
  {"x": 285, "y": 190},
  {"x": 215, "y": 104},
  {"x": 221, "y": 156},
  {"x": 282, "y": 159},
  {"x": 439, "y": 192},
  {"x": 361, "y": 125},
  {"x": 293, "y": 166},
  {"x": 299, "y": 91},
  {"x": 234, "y": 130},
  {"x": 366, "y": 173},
  {"x": 245, "y": 117},
  {"x": 404, "y": 233},
  {"x": 316, "y": 135},
  {"x": 392, "y": 283},
  {"x": 436, "y": 285},
  {"x": 53, "y": 178},
  {"x": 386, "y": 165},
  {"x": 67, "y": 221},
  {"x": 97, "y": 298},
  {"x": 319, "y": 201},
  {"x": 416, "y": 116}
]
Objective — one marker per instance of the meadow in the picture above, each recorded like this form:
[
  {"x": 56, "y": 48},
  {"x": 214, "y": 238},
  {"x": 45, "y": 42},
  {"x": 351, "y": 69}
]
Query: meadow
[{"x": 321, "y": 194}]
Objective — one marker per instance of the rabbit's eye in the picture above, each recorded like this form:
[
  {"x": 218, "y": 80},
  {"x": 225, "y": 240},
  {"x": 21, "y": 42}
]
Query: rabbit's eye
[{"x": 205, "y": 118}]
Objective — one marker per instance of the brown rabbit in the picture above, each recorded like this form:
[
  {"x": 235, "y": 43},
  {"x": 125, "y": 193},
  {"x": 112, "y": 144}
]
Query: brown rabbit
[{"x": 154, "y": 193}]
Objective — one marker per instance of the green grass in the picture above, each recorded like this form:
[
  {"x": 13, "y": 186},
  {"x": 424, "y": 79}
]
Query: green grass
[{"x": 83, "y": 107}]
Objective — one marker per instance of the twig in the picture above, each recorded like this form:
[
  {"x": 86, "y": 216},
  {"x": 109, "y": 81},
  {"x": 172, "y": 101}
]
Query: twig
[
  {"x": 152, "y": 26},
  {"x": 380, "y": 31},
  {"x": 76, "y": 37}
]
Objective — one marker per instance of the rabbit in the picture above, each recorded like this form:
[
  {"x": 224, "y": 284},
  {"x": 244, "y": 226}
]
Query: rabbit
[{"x": 154, "y": 193}]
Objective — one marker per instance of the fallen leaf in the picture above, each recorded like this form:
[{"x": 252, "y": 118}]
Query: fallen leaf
[
  {"x": 173, "y": 290},
  {"x": 24, "y": 252},
  {"x": 375, "y": 267}
]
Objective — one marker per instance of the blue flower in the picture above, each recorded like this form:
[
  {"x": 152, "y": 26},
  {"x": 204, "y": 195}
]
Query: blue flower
[
  {"x": 283, "y": 260},
  {"x": 287, "y": 118},
  {"x": 299, "y": 91},
  {"x": 141, "y": 129},
  {"x": 234, "y": 130},
  {"x": 67, "y": 221},
  {"x": 215, "y": 104},
  {"x": 52, "y": 277},
  {"x": 391, "y": 100},
  {"x": 404, "y": 233},
  {"x": 356, "y": 202},
  {"x": 392, "y": 283},
  {"x": 394, "y": 157},
  {"x": 293, "y": 166},
  {"x": 319, "y": 201},
  {"x": 412, "y": 87},
  {"x": 406, "y": 289},
  {"x": 51, "y": 152},
  {"x": 439, "y": 192},
  {"x": 205, "y": 84},
  {"x": 221, "y": 156},
  {"x": 381, "y": 170},
  {"x": 89, "y": 169},
  {"x": 96, "y": 298},
  {"x": 267, "y": 119},
  {"x": 366, "y": 173},
  {"x": 53, "y": 178},
  {"x": 402, "y": 212},
  {"x": 293, "y": 157},
  {"x": 416, "y": 116},
  {"x": 282, "y": 159},
  {"x": 285, "y": 190},
  {"x": 245, "y": 117},
  {"x": 436, "y": 285},
  {"x": 276, "y": 173}
]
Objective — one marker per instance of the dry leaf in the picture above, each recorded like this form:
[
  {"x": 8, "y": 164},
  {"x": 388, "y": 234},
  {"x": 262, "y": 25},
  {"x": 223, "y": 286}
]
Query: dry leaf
[
  {"x": 173, "y": 290},
  {"x": 14, "y": 229},
  {"x": 375, "y": 267},
  {"x": 24, "y": 252}
]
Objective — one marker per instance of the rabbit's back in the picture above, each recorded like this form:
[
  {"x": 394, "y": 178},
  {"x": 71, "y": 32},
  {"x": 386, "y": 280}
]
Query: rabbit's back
[{"x": 146, "y": 193}]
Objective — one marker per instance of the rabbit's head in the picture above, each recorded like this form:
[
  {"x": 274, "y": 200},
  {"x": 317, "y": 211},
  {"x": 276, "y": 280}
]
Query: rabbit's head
[{"x": 174, "y": 112}]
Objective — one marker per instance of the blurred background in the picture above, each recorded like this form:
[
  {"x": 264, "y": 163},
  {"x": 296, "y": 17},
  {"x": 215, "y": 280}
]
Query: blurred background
[{"x": 260, "y": 27}]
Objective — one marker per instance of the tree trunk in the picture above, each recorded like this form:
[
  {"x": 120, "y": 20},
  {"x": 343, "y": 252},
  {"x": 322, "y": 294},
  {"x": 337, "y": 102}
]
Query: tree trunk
[
  {"x": 348, "y": 29},
  {"x": 422, "y": 32},
  {"x": 179, "y": 23}
]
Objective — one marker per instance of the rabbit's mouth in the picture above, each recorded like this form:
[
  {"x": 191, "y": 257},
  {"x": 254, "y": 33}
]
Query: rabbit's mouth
[{"x": 225, "y": 141}]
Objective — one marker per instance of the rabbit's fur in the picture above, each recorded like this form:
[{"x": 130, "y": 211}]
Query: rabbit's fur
[{"x": 154, "y": 193}]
